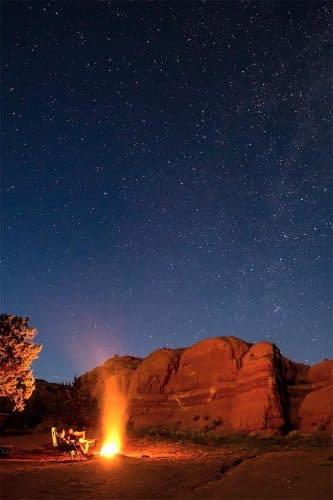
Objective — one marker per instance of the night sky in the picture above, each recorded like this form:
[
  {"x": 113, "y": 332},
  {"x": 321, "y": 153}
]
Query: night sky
[{"x": 166, "y": 176}]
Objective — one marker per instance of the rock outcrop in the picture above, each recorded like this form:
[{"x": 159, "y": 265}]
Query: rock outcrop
[
  {"x": 121, "y": 368},
  {"x": 222, "y": 385},
  {"x": 316, "y": 409},
  {"x": 259, "y": 400}
]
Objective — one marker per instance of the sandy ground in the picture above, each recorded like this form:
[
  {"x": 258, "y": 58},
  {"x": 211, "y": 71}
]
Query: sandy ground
[{"x": 151, "y": 469}]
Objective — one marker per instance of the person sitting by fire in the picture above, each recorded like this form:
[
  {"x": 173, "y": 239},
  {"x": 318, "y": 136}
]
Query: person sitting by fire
[
  {"x": 79, "y": 437},
  {"x": 62, "y": 435}
]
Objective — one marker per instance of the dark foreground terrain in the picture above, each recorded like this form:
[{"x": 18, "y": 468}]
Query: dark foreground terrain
[{"x": 151, "y": 469}]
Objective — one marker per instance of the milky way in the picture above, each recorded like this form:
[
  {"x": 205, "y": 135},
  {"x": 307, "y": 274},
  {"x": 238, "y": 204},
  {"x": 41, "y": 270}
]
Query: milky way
[{"x": 166, "y": 176}]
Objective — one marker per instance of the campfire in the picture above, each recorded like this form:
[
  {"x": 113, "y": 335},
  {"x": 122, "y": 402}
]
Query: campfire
[
  {"x": 114, "y": 410},
  {"x": 111, "y": 447}
]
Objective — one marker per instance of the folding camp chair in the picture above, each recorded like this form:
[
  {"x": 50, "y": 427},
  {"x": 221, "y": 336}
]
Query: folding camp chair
[{"x": 65, "y": 447}]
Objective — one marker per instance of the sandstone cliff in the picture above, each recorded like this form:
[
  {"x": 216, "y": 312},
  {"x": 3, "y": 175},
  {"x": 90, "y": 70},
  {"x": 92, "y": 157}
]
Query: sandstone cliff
[{"x": 222, "y": 384}]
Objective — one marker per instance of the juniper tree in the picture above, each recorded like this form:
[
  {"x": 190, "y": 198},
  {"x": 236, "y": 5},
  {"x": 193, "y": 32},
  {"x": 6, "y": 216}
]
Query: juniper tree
[{"x": 17, "y": 352}]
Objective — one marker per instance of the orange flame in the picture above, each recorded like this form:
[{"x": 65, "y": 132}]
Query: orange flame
[
  {"x": 114, "y": 410},
  {"x": 110, "y": 449}
]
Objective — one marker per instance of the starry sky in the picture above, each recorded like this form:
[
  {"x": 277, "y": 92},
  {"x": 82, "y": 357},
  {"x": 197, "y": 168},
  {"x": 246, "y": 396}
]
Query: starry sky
[{"x": 166, "y": 176}]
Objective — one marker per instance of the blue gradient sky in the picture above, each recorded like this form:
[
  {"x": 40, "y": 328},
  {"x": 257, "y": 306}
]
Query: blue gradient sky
[{"x": 166, "y": 176}]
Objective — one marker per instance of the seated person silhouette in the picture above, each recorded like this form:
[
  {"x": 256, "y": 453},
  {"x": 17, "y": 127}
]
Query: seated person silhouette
[
  {"x": 79, "y": 438},
  {"x": 62, "y": 436}
]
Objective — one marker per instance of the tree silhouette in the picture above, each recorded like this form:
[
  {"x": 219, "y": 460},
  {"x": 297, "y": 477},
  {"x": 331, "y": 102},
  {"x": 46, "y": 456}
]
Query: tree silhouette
[{"x": 17, "y": 352}]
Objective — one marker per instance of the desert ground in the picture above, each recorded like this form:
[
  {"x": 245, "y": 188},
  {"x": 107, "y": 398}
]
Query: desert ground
[{"x": 151, "y": 468}]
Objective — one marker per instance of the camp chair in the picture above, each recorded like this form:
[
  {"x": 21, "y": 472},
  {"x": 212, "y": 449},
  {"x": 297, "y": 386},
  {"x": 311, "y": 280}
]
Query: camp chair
[{"x": 66, "y": 447}]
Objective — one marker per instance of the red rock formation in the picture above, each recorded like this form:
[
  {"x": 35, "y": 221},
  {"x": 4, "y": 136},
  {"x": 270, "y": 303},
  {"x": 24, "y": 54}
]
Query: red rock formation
[
  {"x": 259, "y": 399},
  {"x": 296, "y": 378},
  {"x": 218, "y": 384},
  {"x": 121, "y": 367},
  {"x": 316, "y": 410},
  {"x": 223, "y": 384},
  {"x": 147, "y": 395}
]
